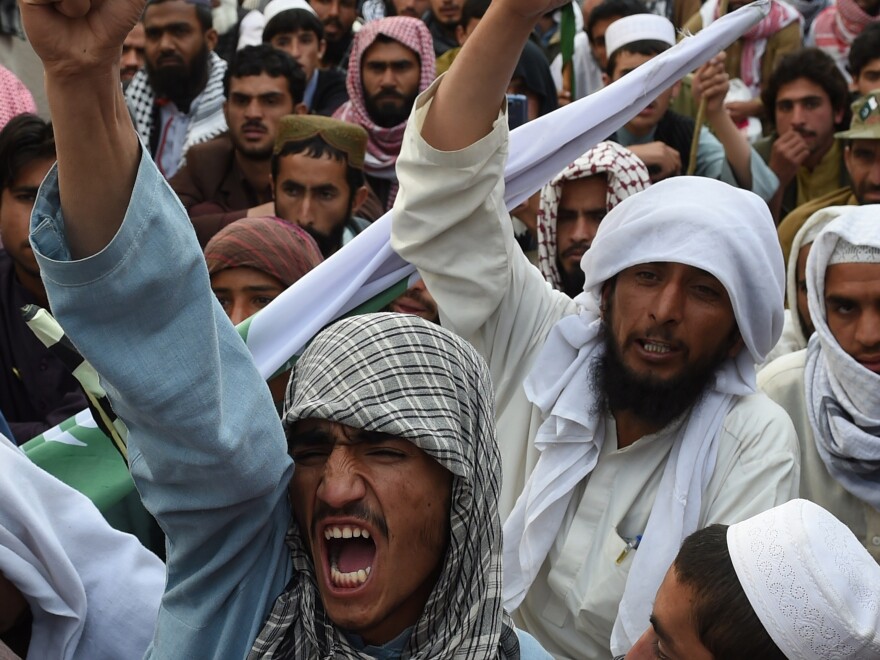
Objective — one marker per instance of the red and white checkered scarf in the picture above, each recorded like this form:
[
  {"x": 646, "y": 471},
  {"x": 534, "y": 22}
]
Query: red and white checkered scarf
[
  {"x": 755, "y": 40},
  {"x": 626, "y": 175},
  {"x": 836, "y": 27},
  {"x": 384, "y": 143}
]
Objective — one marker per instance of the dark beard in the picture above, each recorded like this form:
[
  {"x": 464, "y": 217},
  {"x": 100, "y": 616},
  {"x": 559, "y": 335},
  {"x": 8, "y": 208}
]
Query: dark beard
[
  {"x": 652, "y": 400},
  {"x": 572, "y": 283},
  {"x": 328, "y": 244},
  {"x": 388, "y": 115},
  {"x": 180, "y": 83}
]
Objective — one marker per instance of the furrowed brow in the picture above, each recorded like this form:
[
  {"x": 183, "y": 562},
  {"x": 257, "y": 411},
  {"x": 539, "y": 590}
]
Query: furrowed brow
[{"x": 309, "y": 438}]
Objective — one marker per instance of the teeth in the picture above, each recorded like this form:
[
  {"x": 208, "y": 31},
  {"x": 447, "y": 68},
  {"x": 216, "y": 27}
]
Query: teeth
[
  {"x": 349, "y": 580},
  {"x": 345, "y": 533},
  {"x": 656, "y": 348}
]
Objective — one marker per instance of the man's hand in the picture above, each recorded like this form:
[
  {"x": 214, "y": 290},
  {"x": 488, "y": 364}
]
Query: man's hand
[
  {"x": 740, "y": 111},
  {"x": 74, "y": 37},
  {"x": 661, "y": 160},
  {"x": 712, "y": 83},
  {"x": 788, "y": 153}
]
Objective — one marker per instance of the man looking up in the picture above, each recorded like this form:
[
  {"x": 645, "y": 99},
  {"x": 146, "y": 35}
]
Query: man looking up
[
  {"x": 832, "y": 388},
  {"x": 36, "y": 390},
  {"x": 573, "y": 205},
  {"x": 642, "y": 387},
  {"x": 864, "y": 61},
  {"x": 662, "y": 138},
  {"x": 861, "y": 155},
  {"x": 177, "y": 100},
  {"x": 318, "y": 178},
  {"x": 299, "y": 33},
  {"x": 338, "y": 17},
  {"x": 386, "y": 536},
  {"x": 392, "y": 60},
  {"x": 225, "y": 178},
  {"x": 808, "y": 98}
]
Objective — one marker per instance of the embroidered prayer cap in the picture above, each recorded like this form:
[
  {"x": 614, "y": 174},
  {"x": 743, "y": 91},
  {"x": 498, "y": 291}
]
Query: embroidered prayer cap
[
  {"x": 267, "y": 244},
  {"x": 625, "y": 174},
  {"x": 710, "y": 225},
  {"x": 638, "y": 27},
  {"x": 865, "y": 124},
  {"x": 814, "y": 587},
  {"x": 847, "y": 253},
  {"x": 404, "y": 376},
  {"x": 350, "y": 138},
  {"x": 275, "y": 7}
]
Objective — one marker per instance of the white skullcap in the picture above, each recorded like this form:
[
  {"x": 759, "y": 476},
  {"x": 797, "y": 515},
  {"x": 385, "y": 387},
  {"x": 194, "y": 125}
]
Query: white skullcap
[
  {"x": 275, "y": 7},
  {"x": 813, "y": 586},
  {"x": 847, "y": 253},
  {"x": 638, "y": 27}
]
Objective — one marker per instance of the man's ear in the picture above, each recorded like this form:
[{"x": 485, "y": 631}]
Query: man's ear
[
  {"x": 322, "y": 47},
  {"x": 603, "y": 303},
  {"x": 606, "y": 79},
  {"x": 226, "y": 111},
  {"x": 300, "y": 109},
  {"x": 211, "y": 38},
  {"x": 460, "y": 36},
  {"x": 736, "y": 346},
  {"x": 272, "y": 186},
  {"x": 360, "y": 196}
]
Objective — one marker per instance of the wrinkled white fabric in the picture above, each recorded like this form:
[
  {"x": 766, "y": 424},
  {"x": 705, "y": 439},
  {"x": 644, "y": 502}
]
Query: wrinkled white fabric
[
  {"x": 813, "y": 586},
  {"x": 691, "y": 220},
  {"x": 843, "y": 396},
  {"x": 94, "y": 592}
]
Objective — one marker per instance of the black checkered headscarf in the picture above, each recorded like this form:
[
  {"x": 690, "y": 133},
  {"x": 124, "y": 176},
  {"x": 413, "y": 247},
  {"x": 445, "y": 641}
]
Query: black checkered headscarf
[{"x": 401, "y": 375}]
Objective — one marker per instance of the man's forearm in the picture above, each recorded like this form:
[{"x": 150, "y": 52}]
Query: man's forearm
[{"x": 736, "y": 147}]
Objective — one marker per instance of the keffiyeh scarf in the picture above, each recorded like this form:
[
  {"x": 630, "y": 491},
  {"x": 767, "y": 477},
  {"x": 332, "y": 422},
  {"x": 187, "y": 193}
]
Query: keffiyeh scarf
[
  {"x": 692, "y": 220},
  {"x": 781, "y": 15},
  {"x": 401, "y": 375},
  {"x": 842, "y": 396},
  {"x": 207, "y": 121},
  {"x": 836, "y": 27},
  {"x": 384, "y": 144},
  {"x": 625, "y": 175}
]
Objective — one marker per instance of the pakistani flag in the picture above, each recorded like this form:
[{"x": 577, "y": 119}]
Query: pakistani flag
[{"x": 367, "y": 274}]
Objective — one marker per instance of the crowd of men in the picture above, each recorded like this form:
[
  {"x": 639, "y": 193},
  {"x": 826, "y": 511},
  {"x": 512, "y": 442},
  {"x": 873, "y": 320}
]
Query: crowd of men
[{"x": 637, "y": 415}]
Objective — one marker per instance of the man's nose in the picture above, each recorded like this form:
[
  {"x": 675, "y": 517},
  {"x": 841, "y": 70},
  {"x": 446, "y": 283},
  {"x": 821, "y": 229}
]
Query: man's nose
[
  {"x": 341, "y": 483},
  {"x": 334, "y": 9},
  {"x": 240, "y": 311},
  {"x": 253, "y": 109},
  {"x": 128, "y": 59},
  {"x": 868, "y": 330},
  {"x": 668, "y": 303},
  {"x": 584, "y": 229}
]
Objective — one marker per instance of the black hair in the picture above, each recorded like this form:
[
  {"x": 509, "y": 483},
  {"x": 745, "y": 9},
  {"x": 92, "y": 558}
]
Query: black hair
[
  {"x": 611, "y": 8},
  {"x": 865, "y": 48},
  {"x": 293, "y": 20},
  {"x": 254, "y": 60},
  {"x": 816, "y": 66},
  {"x": 723, "y": 618},
  {"x": 24, "y": 139},
  {"x": 648, "y": 47},
  {"x": 203, "y": 12},
  {"x": 473, "y": 9},
  {"x": 316, "y": 147}
]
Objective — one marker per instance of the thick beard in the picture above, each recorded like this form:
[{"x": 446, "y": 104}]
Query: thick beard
[
  {"x": 180, "y": 84},
  {"x": 652, "y": 400},
  {"x": 330, "y": 243},
  {"x": 389, "y": 115},
  {"x": 572, "y": 283}
]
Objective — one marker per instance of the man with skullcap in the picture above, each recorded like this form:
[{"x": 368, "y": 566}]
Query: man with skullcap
[
  {"x": 832, "y": 388},
  {"x": 392, "y": 61},
  {"x": 792, "y": 582},
  {"x": 318, "y": 179},
  {"x": 628, "y": 417},
  {"x": 385, "y": 541},
  {"x": 573, "y": 204}
]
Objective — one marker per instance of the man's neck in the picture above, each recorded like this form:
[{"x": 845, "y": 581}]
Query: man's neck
[
  {"x": 816, "y": 157},
  {"x": 32, "y": 284},
  {"x": 255, "y": 172},
  {"x": 630, "y": 428}
]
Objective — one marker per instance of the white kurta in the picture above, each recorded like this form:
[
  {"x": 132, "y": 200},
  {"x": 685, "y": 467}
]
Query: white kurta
[
  {"x": 451, "y": 223},
  {"x": 783, "y": 381}
]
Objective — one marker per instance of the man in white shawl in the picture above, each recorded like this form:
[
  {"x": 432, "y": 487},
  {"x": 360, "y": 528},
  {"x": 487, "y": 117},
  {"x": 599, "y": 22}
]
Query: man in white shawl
[
  {"x": 832, "y": 388},
  {"x": 689, "y": 277}
]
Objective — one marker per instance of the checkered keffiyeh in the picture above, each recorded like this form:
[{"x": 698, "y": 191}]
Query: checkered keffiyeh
[
  {"x": 626, "y": 174},
  {"x": 401, "y": 375}
]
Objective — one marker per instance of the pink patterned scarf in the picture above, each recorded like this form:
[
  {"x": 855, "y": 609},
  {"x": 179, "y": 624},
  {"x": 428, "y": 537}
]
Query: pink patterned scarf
[{"x": 836, "y": 27}]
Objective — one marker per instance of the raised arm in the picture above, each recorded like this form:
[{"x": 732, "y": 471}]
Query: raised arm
[{"x": 80, "y": 43}]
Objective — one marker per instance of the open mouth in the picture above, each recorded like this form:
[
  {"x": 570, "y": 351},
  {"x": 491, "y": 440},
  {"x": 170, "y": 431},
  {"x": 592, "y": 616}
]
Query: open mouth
[
  {"x": 350, "y": 554},
  {"x": 657, "y": 348}
]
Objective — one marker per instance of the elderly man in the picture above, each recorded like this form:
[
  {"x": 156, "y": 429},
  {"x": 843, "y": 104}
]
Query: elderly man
[
  {"x": 392, "y": 60},
  {"x": 574, "y": 203},
  {"x": 832, "y": 389},
  {"x": 792, "y": 582},
  {"x": 639, "y": 395},
  {"x": 386, "y": 540}
]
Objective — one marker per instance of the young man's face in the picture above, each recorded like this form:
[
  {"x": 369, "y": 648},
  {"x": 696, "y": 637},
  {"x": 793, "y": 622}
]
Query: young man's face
[
  {"x": 647, "y": 119},
  {"x": 314, "y": 193},
  {"x": 852, "y": 305},
  {"x": 16, "y": 204},
  {"x": 869, "y": 77},
  {"x": 176, "y": 48},
  {"x": 374, "y": 510},
  {"x": 253, "y": 112},
  {"x": 133, "y": 52},
  {"x": 390, "y": 74},
  {"x": 411, "y": 8},
  {"x": 244, "y": 291},
  {"x": 447, "y": 12},
  {"x": 582, "y": 206},
  {"x": 337, "y": 16},
  {"x": 862, "y": 160},
  {"x": 804, "y": 107},
  {"x": 303, "y": 46},
  {"x": 800, "y": 276},
  {"x": 597, "y": 41},
  {"x": 672, "y": 634}
]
